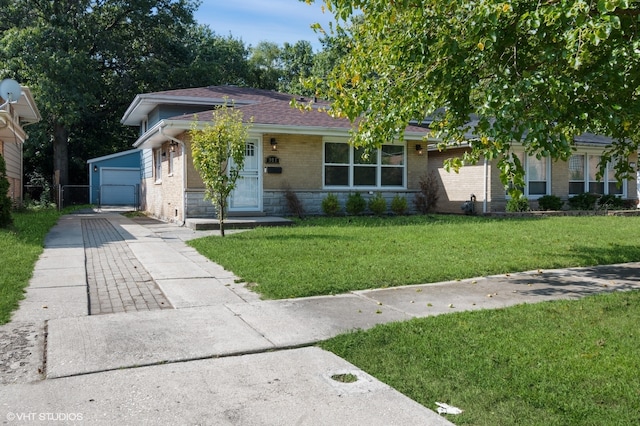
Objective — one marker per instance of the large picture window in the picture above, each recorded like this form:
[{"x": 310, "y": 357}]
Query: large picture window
[
  {"x": 583, "y": 171},
  {"x": 345, "y": 166}
]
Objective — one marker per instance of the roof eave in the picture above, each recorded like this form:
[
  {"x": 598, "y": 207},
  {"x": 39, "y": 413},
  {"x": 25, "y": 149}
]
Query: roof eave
[{"x": 144, "y": 103}]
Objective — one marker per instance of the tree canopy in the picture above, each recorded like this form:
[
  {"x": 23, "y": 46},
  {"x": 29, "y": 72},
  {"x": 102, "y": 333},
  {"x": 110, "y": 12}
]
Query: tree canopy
[
  {"x": 493, "y": 74},
  {"x": 85, "y": 60}
]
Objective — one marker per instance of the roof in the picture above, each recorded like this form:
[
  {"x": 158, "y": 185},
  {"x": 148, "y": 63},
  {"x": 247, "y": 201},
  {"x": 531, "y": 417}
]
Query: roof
[
  {"x": 110, "y": 156},
  {"x": 208, "y": 97},
  {"x": 268, "y": 111},
  {"x": 278, "y": 113},
  {"x": 26, "y": 111}
]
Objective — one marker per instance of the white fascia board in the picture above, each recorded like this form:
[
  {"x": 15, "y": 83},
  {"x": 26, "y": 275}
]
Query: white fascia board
[
  {"x": 110, "y": 156},
  {"x": 27, "y": 99},
  {"x": 154, "y": 137},
  {"x": 13, "y": 132},
  {"x": 321, "y": 131},
  {"x": 143, "y": 104}
]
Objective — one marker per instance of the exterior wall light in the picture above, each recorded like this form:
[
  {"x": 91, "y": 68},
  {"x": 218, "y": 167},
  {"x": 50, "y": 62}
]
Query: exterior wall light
[
  {"x": 95, "y": 168},
  {"x": 418, "y": 149},
  {"x": 274, "y": 144},
  {"x": 173, "y": 145}
]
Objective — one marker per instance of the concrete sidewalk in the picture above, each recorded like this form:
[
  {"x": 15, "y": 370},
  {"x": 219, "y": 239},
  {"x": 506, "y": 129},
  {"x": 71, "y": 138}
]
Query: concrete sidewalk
[{"x": 217, "y": 354}]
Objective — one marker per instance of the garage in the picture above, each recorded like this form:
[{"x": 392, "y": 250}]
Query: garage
[
  {"x": 119, "y": 187},
  {"x": 114, "y": 179}
]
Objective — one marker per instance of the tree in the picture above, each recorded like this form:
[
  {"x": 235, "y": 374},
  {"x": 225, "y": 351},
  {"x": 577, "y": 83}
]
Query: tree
[
  {"x": 297, "y": 65},
  {"x": 5, "y": 201},
  {"x": 85, "y": 60},
  {"x": 510, "y": 73},
  {"x": 218, "y": 150},
  {"x": 282, "y": 68},
  {"x": 265, "y": 62}
]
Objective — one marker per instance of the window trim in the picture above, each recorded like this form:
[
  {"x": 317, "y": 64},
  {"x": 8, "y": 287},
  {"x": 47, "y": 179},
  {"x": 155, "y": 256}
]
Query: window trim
[
  {"x": 547, "y": 181},
  {"x": 586, "y": 182},
  {"x": 157, "y": 170},
  {"x": 351, "y": 166}
]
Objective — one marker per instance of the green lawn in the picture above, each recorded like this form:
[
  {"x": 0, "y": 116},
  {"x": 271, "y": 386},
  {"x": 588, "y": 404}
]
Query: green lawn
[
  {"x": 552, "y": 363},
  {"x": 20, "y": 246},
  {"x": 336, "y": 255}
]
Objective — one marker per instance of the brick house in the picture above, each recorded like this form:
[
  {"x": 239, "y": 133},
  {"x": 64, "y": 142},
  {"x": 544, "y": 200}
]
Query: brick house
[
  {"x": 13, "y": 117},
  {"x": 307, "y": 153},
  {"x": 304, "y": 151},
  {"x": 543, "y": 176}
]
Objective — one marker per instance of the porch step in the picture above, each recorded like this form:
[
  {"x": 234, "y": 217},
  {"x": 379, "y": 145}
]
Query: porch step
[{"x": 235, "y": 222}]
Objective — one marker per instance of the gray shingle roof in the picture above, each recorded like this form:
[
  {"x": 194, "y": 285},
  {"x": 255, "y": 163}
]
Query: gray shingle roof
[{"x": 266, "y": 107}]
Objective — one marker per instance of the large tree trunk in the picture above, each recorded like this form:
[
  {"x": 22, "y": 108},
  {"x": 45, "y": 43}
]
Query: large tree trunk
[{"x": 60, "y": 159}]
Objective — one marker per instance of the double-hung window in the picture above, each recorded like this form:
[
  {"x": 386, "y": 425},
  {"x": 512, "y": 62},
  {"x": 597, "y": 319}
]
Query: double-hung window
[
  {"x": 576, "y": 174},
  {"x": 345, "y": 166},
  {"x": 537, "y": 177}
]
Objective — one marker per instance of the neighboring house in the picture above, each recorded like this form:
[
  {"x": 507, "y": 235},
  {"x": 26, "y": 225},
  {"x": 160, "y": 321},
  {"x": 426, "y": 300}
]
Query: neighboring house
[
  {"x": 544, "y": 176},
  {"x": 14, "y": 117},
  {"x": 288, "y": 149},
  {"x": 114, "y": 180},
  {"x": 306, "y": 152}
]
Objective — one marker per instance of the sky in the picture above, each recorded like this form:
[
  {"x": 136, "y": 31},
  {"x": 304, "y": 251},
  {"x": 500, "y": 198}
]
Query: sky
[{"x": 253, "y": 21}]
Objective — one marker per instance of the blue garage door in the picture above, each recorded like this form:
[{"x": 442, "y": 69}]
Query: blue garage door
[{"x": 119, "y": 186}]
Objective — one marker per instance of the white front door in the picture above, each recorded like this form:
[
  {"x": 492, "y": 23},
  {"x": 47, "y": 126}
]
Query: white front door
[{"x": 246, "y": 196}]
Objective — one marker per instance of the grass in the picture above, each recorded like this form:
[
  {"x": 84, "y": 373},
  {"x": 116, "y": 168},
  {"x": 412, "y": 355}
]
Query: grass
[
  {"x": 336, "y": 255},
  {"x": 553, "y": 363},
  {"x": 20, "y": 246}
]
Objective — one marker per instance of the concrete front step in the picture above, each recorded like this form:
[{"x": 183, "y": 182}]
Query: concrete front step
[{"x": 235, "y": 222}]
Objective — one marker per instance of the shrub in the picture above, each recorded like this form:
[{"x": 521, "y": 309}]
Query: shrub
[
  {"x": 38, "y": 181},
  {"x": 520, "y": 204},
  {"x": 550, "y": 202},
  {"x": 585, "y": 201},
  {"x": 330, "y": 205},
  {"x": 378, "y": 205},
  {"x": 293, "y": 203},
  {"x": 5, "y": 201},
  {"x": 399, "y": 205},
  {"x": 427, "y": 199},
  {"x": 611, "y": 202},
  {"x": 355, "y": 204}
]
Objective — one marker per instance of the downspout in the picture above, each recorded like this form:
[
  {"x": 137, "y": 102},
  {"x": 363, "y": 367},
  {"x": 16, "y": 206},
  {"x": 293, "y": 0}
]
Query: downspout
[
  {"x": 486, "y": 186},
  {"x": 184, "y": 172}
]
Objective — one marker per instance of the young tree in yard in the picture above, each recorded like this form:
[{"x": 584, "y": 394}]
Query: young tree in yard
[
  {"x": 218, "y": 150},
  {"x": 530, "y": 72},
  {"x": 5, "y": 201}
]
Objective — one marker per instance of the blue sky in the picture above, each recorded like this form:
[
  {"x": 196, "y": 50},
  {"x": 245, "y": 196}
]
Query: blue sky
[{"x": 253, "y": 21}]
